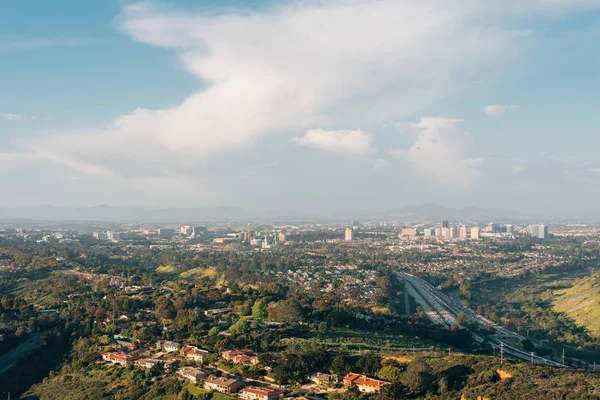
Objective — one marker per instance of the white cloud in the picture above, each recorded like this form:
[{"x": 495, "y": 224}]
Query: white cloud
[
  {"x": 286, "y": 69},
  {"x": 353, "y": 142},
  {"x": 17, "y": 117},
  {"x": 441, "y": 152},
  {"x": 496, "y": 110}
]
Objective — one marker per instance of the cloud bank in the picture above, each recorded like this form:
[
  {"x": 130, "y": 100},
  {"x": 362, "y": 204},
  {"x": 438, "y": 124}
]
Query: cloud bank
[{"x": 496, "y": 110}]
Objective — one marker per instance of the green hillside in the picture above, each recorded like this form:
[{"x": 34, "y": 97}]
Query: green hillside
[{"x": 582, "y": 303}]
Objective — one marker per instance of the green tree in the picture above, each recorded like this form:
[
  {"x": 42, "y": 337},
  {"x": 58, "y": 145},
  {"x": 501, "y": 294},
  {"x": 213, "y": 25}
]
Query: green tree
[{"x": 259, "y": 309}]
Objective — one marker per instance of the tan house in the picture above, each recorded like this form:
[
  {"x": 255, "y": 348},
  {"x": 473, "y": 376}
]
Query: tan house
[
  {"x": 119, "y": 358},
  {"x": 168, "y": 346},
  {"x": 326, "y": 379},
  {"x": 260, "y": 393},
  {"x": 364, "y": 384},
  {"x": 146, "y": 363},
  {"x": 223, "y": 384},
  {"x": 194, "y": 353},
  {"x": 194, "y": 375}
]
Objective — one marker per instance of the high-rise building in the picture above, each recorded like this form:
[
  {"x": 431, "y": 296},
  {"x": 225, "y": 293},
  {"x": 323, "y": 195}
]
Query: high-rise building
[
  {"x": 247, "y": 235},
  {"x": 101, "y": 235},
  {"x": 199, "y": 231},
  {"x": 509, "y": 228},
  {"x": 444, "y": 224},
  {"x": 166, "y": 233},
  {"x": 453, "y": 232},
  {"x": 349, "y": 235},
  {"x": 538, "y": 231},
  {"x": 428, "y": 232},
  {"x": 439, "y": 231},
  {"x": 463, "y": 232},
  {"x": 475, "y": 232},
  {"x": 282, "y": 237}
]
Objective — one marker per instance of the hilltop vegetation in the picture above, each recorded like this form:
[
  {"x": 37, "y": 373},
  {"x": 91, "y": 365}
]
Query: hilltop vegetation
[{"x": 582, "y": 303}]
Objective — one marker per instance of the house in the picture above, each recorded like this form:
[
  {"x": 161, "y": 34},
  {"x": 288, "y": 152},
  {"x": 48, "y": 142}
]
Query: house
[
  {"x": 223, "y": 384},
  {"x": 147, "y": 362},
  {"x": 194, "y": 375},
  {"x": 260, "y": 393},
  {"x": 194, "y": 353},
  {"x": 325, "y": 379},
  {"x": 245, "y": 359},
  {"x": 229, "y": 355},
  {"x": 119, "y": 358},
  {"x": 168, "y": 346},
  {"x": 364, "y": 384}
]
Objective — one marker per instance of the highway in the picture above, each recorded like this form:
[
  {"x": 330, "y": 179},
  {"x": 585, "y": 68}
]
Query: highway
[
  {"x": 9, "y": 359},
  {"x": 442, "y": 309}
]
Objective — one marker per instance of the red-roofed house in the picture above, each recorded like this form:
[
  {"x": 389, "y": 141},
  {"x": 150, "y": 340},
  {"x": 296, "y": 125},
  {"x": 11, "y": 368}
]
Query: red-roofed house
[
  {"x": 119, "y": 358},
  {"x": 260, "y": 393},
  {"x": 194, "y": 353},
  {"x": 364, "y": 384}
]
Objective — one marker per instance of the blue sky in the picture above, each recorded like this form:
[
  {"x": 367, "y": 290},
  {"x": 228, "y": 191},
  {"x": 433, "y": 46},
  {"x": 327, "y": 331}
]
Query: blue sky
[{"x": 349, "y": 104}]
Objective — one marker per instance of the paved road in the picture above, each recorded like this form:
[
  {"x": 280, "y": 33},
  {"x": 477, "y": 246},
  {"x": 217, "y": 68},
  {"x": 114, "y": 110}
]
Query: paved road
[
  {"x": 9, "y": 359},
  {"x": 406, "y": 302}
]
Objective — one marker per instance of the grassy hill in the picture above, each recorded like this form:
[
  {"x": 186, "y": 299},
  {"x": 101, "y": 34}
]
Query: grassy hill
[{"x": 582, "y": 303}]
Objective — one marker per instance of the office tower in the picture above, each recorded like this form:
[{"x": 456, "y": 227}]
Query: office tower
[
  {"x": 349, "y": 234},
  {"x": 439, "y": 231},
  {"x": 429, "y": 232},
  {"x": 166, "y": 233},
  {"x": 475, "y": 233},
  {"x": 463, "y": 232},
  {"x": 282, "y": 237},
  {"x": 453, "y": 232},
  {"x": 538, "y": 231},
  {"x": 444, "y": 224},
  {"x": 509, "y": 228},
  {"x": 247, "y": 235}
]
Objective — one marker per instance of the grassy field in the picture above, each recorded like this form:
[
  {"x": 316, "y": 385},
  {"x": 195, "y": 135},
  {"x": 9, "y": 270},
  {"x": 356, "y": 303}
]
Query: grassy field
[
  {"x": 582, "y": 303},
  {"x": 200, "y": 272}
]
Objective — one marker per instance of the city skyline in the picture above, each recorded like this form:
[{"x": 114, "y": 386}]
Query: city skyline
[{"x": 288, "y": 106}]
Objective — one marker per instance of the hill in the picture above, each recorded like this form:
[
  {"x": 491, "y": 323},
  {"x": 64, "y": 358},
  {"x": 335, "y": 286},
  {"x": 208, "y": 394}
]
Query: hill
[
  {"x": 582, "y": 303},
  {"x": 433, "y": 212}
]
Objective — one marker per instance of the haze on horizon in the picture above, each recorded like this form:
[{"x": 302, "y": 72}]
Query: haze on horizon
[{"x": 301, "y": 105}]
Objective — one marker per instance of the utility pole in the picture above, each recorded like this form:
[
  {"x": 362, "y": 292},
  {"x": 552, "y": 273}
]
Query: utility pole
[
  {"x": 594, "y": 366},
  {"x": 531, "y": 357},
  {"x": 501, "y": 353},
  {"x": 563, "y": 358}
]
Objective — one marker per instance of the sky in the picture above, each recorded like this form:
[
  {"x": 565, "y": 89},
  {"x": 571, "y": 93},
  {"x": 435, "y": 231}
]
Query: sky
[{"x": 301, "y": 105}]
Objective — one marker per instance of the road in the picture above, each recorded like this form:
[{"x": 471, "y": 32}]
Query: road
[
  {"x": 406, "y": 303},
  {"x": 9, "y": 359},
  {"x": 442, "y": 309}
]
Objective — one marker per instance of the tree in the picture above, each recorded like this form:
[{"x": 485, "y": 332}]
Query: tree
[
  {"x": 390, "y": 373},
  {"x": 214, "y": 331},
  {"x": 461, "y": 318},
  {"x": 339, "y": 365},
  {"x": 418, "y": 377},
  {"x": 369, "y": 363},
  {"x": 259, "y": 309},
  {"x": 323, "y": 327}
]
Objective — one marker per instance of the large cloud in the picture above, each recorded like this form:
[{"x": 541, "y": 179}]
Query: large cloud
[
  {"x": 441, "y": 152},
  {"x": 288, "y": 69}
]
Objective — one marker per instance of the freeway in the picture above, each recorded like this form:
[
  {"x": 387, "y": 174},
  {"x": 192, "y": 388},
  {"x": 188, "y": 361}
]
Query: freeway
[
  {"x": 9, "y": 359},
  {"x": 441, "y": 310}
]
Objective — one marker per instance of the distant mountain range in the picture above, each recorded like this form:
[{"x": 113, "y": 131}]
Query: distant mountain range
[
  {"x": 417, "y": 213},
  {"x": 429, "y": 212},
  {"x": 110, "y": 213}
]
